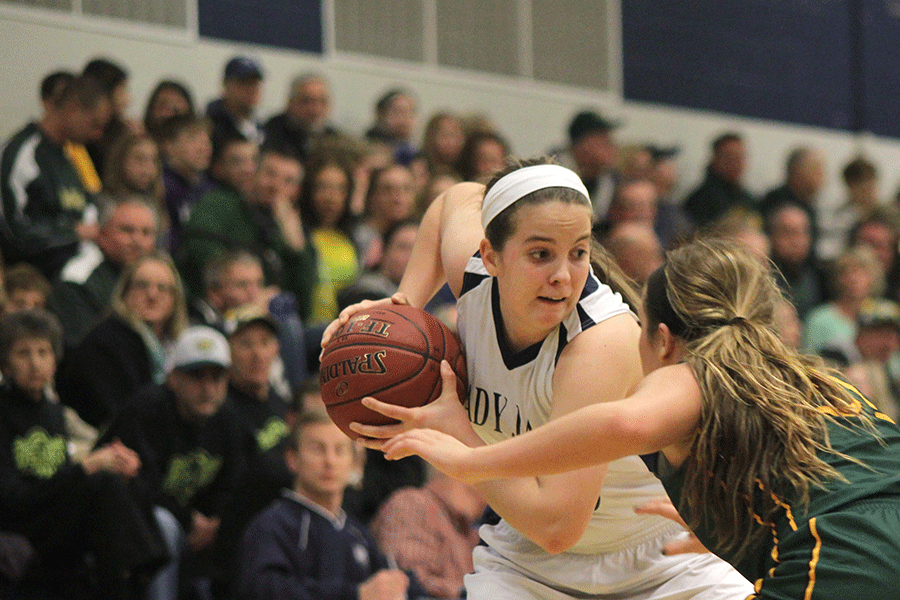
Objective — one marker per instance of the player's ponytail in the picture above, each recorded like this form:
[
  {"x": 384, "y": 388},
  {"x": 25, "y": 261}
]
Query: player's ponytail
[{"x": 762, "y": 426}]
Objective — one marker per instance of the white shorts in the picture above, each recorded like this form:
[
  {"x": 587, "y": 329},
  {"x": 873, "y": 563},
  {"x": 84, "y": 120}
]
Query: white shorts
[{"x": 515, "y": 568}]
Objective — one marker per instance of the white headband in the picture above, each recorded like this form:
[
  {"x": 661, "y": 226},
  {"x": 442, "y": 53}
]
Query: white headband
[{"x": 522, "y": 182}]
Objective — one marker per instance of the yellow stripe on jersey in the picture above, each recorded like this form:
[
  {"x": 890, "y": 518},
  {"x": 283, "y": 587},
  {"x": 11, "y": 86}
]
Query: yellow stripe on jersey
[{"x": 814, "y": 560}]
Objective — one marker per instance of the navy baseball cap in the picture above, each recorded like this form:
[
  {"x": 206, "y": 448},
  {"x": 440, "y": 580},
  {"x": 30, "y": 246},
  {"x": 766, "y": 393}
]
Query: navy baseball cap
[
  {"x": 243, "y": 67},
  {"x": 588, "y": 122}
]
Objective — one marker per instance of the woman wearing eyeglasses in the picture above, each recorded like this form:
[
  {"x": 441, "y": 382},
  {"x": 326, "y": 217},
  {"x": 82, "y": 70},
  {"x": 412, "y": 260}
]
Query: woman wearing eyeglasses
[{"x": 127, "y": 349}]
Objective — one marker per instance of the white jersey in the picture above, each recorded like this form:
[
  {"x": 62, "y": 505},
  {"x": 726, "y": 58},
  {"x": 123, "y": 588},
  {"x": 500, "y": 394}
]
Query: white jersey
[{"x": 511, "y": 393}]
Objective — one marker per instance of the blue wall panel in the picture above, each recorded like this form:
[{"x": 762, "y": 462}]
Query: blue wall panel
[
  {"x": 773, "y": 59},
  {"x": 295, "y": 24},
  {"x": 881, "y": 54}
]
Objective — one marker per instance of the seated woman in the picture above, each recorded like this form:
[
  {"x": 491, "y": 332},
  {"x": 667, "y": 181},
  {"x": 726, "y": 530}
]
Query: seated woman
[{"x": 126, "y": 350}]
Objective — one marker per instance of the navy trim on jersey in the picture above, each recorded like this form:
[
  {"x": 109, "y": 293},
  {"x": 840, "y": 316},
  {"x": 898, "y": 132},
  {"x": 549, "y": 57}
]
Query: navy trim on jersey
[
  {"x": 584, "y": 318},
  {"x": 591, "y": 285},
  {"x": 652, "y": 461},
  {"x": 563, "y": 340},
  {"x": 471, "y": 280},
  {"x": 511, "y": 359}
]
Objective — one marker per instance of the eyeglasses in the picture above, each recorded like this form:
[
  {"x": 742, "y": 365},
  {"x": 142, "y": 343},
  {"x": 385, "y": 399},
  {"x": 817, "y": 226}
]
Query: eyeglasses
[{"x": 145, "y": 286}]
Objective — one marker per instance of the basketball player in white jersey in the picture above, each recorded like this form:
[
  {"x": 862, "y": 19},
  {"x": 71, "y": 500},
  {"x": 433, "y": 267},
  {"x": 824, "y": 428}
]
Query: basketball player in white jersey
[{"x": 544, "y": 336}]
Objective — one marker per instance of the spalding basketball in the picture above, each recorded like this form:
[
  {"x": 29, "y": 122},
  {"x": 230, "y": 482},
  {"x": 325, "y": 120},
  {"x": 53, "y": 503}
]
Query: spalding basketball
[{"x": 392, "y": 353}]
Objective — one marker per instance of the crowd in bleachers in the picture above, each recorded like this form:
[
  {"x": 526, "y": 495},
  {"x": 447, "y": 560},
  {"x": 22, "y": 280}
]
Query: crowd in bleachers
[{"x": 165, "y": 286}]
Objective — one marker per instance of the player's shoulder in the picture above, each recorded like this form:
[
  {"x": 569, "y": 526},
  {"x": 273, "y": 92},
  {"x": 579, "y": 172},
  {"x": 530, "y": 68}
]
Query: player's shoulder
[{"x": 615, "y": 335}]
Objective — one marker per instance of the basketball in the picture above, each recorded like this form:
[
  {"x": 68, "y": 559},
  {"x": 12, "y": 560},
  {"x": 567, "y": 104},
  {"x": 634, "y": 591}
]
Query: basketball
[{"x": 392, "y": 353}]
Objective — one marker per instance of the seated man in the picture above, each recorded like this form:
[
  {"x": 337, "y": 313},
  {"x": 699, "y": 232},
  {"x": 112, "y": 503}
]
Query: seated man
[
  {"x": 261, "y": 411},
  {"x": 82, "y": 295},
  {"x": 304, "y": 545},
  {"x": 431, "y": 531},
  {"x": 235, "y": 279},
  {"x": 190, "y": 451},
  {"x": 66, "y": 510}
]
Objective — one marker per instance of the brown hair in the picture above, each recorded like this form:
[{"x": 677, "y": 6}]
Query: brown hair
[
  {"x": 502, "y": 227},
  {"x": 114, "y": 182}
]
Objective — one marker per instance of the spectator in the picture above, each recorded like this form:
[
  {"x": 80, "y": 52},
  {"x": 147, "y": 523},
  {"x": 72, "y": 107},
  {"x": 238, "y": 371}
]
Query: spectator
[
  {"x": 483, "y": 154},
  {"x": 233, "y": 164},
  {"x": 431, "y": 531},
  {"x": 857, "y": 277},
  {"x": 253, "y": 339},
  {"x": 391, "y": 198},
  {"x": 880, "y": 231},
  {"x": 46, "y": 207},
  {"x": 186, "y": 149},
  {"x": 81, "y": 296},
  {"x": 634, "y": 202},
  {"x": 26, "y": 288},
  {"x": 190, "y": 450},
  {"x": 878, "y": 343},
  {"x": 799, "y": 275},
  {"x": 804, "y": 178},
  {"x": 264, "y": 222},
  {"x": 232, "y": 114},
  {"x": 304, "y": 545},
  {"x": 114, "y": 80},
  {"x": 127, "y": 350},
  {"x": 860, "y": 178},
  {"x": 325, "y": 210},
  {"x": 383, "y": 281},
  {"x": 168, "y": 99},
  {"x": 636, "y": 162},
  {"x": 235, "y": 279},
  {"x": 442, "y": 143},
  {"x": 787, "y": 324},
  {"x": 395, "y": 122},
  {"x": 262, "y": 413},
  {"x": 747, "y": 230},
  {"x": 672, "y": 224},
  {"x": 722, "y": 190},
  {"x": 304, "y": 124},
  {"x": 133, "y": 166},
  {"x": 593, "y": 154},
  {"x": 436, "y": 185},
  {"x": 65, "y": 509},
  {"x": 636, "y": 249}
]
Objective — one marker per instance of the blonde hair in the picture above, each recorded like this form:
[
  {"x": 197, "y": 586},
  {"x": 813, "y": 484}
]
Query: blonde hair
[
  {"x": 176, "y": 322},
  {"x": 761, "y": 427}
]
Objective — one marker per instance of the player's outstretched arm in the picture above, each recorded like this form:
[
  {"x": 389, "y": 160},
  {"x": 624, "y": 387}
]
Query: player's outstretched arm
[
  {"x": 662, "y": 413},
  {"x": 446, "y": 414}
]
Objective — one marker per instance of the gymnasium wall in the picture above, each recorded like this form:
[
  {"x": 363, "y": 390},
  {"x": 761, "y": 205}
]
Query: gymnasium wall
[{"x": 663, "y": 86}]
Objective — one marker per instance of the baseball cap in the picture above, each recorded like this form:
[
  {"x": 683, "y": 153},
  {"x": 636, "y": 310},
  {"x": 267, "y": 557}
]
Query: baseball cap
[
  {"x": 875, "y": 313},
  {"x": 243, "y": 67},
  {"x": 197, "y": 347},
  {"x": 588, "y": 122},
  {"x": 238, "y": 319}
]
